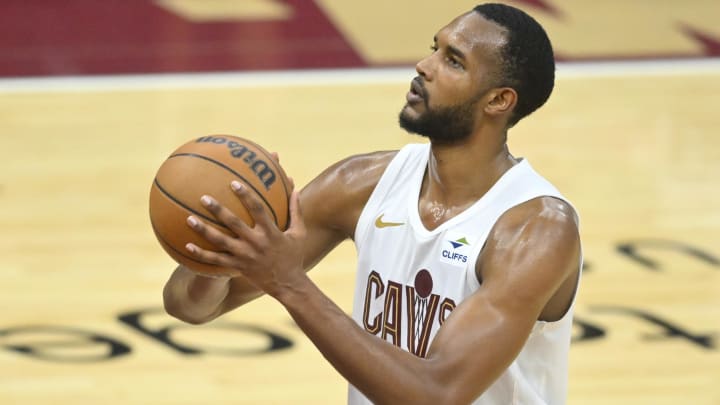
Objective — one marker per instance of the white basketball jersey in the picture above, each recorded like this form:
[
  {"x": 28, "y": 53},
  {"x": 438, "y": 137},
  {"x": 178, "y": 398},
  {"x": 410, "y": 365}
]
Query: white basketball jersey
[{"x": 409, "y": 279}]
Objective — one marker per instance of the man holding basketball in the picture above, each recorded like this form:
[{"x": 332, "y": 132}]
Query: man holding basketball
[{"x": 474, "y": 305}]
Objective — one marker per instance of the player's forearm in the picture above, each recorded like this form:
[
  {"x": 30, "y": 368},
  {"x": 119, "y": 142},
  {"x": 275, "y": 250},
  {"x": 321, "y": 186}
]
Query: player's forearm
[
  {"x": 193, "y": 298},
  {"x": 383, "y": 372}
]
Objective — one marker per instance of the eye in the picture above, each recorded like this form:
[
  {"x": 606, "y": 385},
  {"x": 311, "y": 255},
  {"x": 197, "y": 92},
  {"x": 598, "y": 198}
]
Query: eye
[
  {"x": 450, "y": 59},
  {"x": 454, "y": 62}
]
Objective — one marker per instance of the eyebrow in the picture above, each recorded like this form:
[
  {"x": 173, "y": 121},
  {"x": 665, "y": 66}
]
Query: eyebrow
[{"x": 452, "y": 50}]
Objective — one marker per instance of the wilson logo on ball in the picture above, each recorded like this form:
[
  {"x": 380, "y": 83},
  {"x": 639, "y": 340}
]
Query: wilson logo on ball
[{"x": 239, "y": 151}]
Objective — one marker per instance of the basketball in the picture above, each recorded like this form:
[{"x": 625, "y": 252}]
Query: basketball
[{"x": 207, "y": 165}]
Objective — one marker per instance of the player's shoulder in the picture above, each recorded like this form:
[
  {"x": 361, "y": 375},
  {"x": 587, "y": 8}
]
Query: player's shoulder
[
  {"x": 546, "y": 226},
  {"x": 371, "y": 161},
  {"x": 357, "y": 174},
  {"x": 544, "y": 210},
  {"x": 340, "y": 192},
  {"x": 544, "y": 222},
  {"x": 554, "y": 217}
]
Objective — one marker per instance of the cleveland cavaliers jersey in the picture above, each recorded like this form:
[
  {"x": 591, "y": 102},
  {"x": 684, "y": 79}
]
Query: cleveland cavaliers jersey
[{"x": 410, "y": 279}]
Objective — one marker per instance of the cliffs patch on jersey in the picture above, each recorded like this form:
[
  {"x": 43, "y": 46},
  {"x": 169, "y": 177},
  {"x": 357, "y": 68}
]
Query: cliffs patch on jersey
[{"x": 455, "y": 250}]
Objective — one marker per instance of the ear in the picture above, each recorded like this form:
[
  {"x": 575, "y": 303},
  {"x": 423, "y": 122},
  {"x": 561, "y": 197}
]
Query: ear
[{"x": 502, "y": 100}]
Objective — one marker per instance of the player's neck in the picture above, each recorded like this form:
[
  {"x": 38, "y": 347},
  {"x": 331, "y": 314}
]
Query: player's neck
[{"x": 459, "y": 174}]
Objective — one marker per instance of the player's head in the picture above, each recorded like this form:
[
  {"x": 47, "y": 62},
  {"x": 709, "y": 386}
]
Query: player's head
[
  {"x": 527, "y": 58},
  {"x": 494, "y": 62}
]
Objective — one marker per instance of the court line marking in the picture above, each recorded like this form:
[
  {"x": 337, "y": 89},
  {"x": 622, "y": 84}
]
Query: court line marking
[{"x": 327, "y": 77}]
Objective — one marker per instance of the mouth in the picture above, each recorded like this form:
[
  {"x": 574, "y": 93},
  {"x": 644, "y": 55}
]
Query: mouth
[{"x": 417, "y": 91}]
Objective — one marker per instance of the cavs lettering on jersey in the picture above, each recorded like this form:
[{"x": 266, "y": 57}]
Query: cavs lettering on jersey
[{"x": 410, "y": 279}]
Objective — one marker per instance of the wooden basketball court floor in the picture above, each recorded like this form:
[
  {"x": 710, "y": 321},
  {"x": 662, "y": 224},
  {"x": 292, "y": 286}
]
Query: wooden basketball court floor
[{"x": 634, "y": 146}]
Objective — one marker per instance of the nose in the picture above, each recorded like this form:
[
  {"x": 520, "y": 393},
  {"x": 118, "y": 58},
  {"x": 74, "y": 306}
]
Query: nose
[{"x": 423, "y": 67}]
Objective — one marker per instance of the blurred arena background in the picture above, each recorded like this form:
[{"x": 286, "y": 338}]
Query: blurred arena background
[{"x": 95, "y": 94}]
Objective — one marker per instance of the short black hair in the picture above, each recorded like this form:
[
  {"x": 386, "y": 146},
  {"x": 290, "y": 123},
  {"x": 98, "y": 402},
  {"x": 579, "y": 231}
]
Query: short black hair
[{"x": 527, "y": 59}]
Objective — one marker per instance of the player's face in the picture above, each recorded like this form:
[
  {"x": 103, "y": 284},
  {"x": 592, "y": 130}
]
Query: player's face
[{"x": 446, "y": 98}]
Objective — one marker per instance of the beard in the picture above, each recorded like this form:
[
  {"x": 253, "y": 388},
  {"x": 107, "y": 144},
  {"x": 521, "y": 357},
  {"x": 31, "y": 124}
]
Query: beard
[{"x": 445, "y": 124}]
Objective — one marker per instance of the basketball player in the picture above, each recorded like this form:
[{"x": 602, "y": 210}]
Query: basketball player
[{"x": 468, "y": 260}]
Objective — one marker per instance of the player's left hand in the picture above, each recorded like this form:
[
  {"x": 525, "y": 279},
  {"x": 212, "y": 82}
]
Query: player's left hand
[{"x": 268, "y": 257}]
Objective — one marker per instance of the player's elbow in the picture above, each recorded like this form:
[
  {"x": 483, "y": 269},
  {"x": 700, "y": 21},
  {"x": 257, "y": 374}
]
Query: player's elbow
[
  {"x": 180, "y": 309},
  {"x": 176, "y": 312}
]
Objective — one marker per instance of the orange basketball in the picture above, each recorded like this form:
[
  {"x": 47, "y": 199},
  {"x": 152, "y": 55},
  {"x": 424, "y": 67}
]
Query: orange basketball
[{"x": 207, "y": 165}]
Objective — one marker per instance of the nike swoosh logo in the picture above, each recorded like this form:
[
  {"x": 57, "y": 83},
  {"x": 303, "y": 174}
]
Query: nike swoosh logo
[{"x": 381, "y": 224}]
